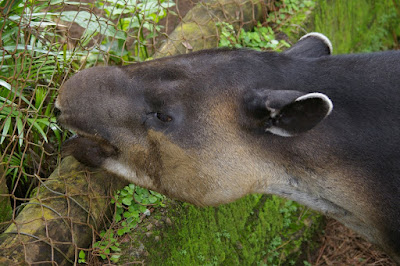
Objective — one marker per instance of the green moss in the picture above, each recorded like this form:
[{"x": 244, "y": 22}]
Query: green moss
[
  {"x": 5, "y": 211},
  {"x": 358, "y": 25},
  {"x": 257, "y": 229}
]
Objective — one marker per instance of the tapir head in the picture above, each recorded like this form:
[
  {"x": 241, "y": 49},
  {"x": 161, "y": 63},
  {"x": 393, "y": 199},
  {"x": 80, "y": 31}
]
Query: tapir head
[
  {"x": 187, "y": 126},
  {"x": 212, "y": 126}
]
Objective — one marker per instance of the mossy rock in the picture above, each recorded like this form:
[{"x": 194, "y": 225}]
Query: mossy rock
[{"x": 258, "y": 229}]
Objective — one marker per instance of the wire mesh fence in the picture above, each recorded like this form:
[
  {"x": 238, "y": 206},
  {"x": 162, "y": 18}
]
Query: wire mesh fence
[{"x": 42, "y": 44}]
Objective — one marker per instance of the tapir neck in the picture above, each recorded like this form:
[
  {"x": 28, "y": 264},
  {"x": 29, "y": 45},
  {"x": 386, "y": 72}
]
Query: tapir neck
[
  {"x": 350, "y": 158},
  {"x": 357, "y": 73}
]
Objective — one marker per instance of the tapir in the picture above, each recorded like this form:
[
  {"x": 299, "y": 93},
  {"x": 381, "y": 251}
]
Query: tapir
[{"x": 212, "y": 126}]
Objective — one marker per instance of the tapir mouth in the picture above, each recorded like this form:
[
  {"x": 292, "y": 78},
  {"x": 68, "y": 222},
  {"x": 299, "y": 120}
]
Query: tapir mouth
[
  {"x": 83, "y": 144},
  {"x": 89, "y": 149}
]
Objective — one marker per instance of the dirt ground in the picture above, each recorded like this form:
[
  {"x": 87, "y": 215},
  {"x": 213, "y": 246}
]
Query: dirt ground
[{"x": 339, "y": 245}]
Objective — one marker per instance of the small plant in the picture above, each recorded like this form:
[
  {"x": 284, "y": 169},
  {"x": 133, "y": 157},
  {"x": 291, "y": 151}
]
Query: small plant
[
  {"x": 290, "y": 10},
  {"x": 222, "y": 235},
  {"x": 201, "y": 257},
  {"x": 288, "y": 15},
  {"x": 108, "y": 247},
  {"x": 132, "y": 205},
  {"x": 261, "y": 38},
  {"x": 280, "y": 248},
  {"x": 82, "y": 257}
]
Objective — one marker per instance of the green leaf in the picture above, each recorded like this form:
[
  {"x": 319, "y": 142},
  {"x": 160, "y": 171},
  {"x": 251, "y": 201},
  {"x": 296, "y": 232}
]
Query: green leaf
[
  {"x": 117, "y": 217},
  {"x": 10, "y": 6},
  {"x": 142, "y": 208},
  {"x": 20, "y": 128},
  {"x": 121, "y": 231},
  {"x": 127, "y": 201},
  {"x": 115, "y": 258},
  {"x": 92, "y": 23},
  {"x": 152, "y": 199},
  {"x": 6, "y": 127},
  {"x": 5, "y": 84},
  {"x": 134, "y": 214},
  {"x": 82, "y": 254},
  {"x": 133, "y": 208},
  {"x": 36, "y": 125},
  {"x": 115, "y": 247},
  {"x": 15, "y": 92}
]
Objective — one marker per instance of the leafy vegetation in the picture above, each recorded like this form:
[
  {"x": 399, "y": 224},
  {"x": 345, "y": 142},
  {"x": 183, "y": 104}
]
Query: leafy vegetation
[
  {"x": 290, "y": 13},
  {"x": 261, "y": 38},
  {"x": 132, "y": 204},
  {"x": 288, "y": 17},
  {"x": 36, "y": 58},
  {"x": 28, "y": 76}
]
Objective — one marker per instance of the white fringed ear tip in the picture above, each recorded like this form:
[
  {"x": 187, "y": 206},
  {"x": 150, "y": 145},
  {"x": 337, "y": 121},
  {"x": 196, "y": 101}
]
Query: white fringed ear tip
[
  {"x": 319, "y": 36},
  {"x": 319, "y": 95}
]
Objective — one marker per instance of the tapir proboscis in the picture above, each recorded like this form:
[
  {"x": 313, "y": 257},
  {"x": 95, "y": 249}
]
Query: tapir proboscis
[{"x": 212, "y": 126}]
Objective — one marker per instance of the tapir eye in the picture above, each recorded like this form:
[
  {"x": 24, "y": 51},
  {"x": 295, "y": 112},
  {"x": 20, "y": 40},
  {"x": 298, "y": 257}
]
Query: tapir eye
[{"x": 163, "y": 117}]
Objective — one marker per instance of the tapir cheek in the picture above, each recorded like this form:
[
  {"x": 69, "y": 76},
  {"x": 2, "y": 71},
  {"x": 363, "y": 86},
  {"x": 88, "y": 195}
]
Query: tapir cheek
[{"x": 173, "y": 170}]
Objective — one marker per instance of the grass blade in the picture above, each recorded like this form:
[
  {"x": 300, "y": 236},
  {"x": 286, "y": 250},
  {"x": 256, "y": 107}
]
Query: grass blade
[
  {"x": 20, "y": 128},
  {"x": 6, "y": 127},
  {"x": 36, "y": 125}
]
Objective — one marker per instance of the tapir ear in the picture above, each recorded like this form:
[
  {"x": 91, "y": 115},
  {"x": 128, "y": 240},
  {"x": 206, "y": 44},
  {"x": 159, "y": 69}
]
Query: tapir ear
[
  {"x": 285, "y": 112},
  {"x": 312, "y": 45},
  {"x": 300, "y": 115}
]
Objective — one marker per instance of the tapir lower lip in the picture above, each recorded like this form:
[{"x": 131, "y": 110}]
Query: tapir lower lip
[{"x": 83, "y": 142}]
